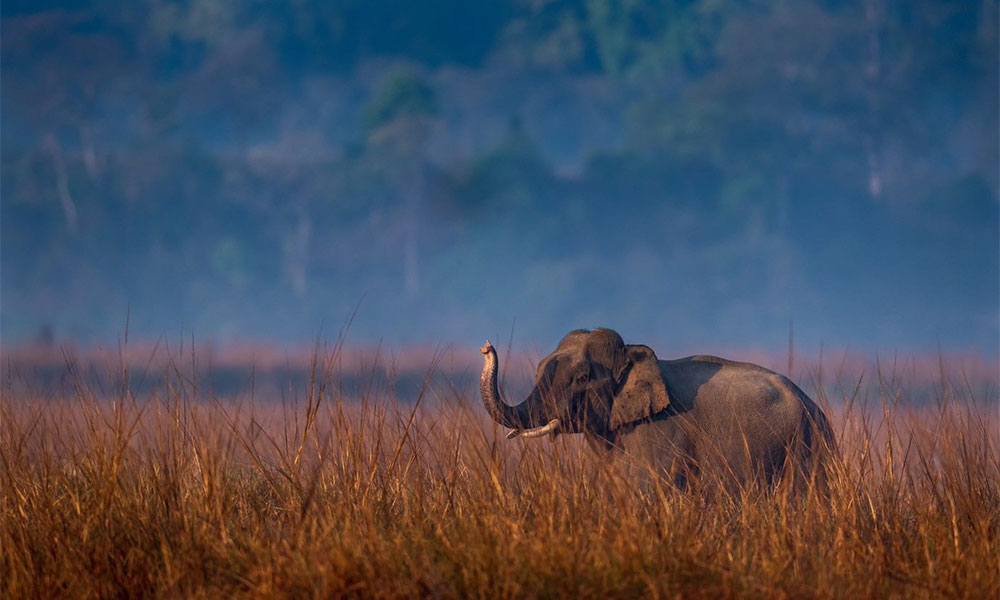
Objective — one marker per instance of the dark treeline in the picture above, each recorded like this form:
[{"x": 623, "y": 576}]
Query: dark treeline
[{"x": 694, "y": 172}]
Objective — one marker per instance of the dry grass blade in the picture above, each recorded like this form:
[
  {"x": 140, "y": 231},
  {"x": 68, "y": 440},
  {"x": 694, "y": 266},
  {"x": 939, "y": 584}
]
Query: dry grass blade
[{"x": 171, "y": 495}]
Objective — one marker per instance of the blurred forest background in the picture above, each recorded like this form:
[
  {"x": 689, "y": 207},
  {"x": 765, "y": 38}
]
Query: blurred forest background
[{"x": 698, "y": 174}]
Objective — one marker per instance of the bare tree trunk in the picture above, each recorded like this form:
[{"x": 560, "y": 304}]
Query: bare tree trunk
[
  {"x": 89, "y": 156},
  {"x": 296, "y": 248},
  {"x": 411, "y": 273},
  {"x": 412, "y": 186},
  {"x": 874, "y": 14},
  {"x": 62, "y": 181}
]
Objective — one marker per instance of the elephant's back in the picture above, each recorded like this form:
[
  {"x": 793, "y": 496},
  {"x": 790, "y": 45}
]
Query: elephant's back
[
  {"x": 696, "y": 375},
  {"x": 703, "y": 369},
  {"x": 710, "y": 361},
  {"x": 720, "y": 389}
]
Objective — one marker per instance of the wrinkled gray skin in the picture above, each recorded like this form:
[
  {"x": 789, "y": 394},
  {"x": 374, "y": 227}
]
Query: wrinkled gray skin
[{"x": 700, "y": 414}]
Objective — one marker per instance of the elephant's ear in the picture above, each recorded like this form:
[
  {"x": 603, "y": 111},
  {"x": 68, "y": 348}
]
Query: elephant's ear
[{"x": 643, "y": 393}]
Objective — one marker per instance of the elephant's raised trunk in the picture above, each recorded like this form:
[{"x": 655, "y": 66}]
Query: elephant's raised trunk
[
  {"x": 500, "y": 411},
  {"x": 520, "y": 417}
]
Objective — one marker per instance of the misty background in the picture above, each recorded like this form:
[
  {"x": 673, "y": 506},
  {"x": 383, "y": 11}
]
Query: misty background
[{"x": 697, "y": 175}]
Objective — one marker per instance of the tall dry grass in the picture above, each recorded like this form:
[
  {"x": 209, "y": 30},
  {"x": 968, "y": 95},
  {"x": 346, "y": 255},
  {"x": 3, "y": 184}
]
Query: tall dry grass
[{"x": 177, "y": 493}]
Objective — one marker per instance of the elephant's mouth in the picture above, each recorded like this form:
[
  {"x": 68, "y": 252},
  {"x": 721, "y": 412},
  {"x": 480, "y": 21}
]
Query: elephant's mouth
[{"x": 550, "y": 427}]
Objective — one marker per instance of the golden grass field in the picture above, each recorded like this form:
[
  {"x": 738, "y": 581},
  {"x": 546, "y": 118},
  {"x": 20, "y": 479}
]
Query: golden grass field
[{"x": 174, "y": 493}]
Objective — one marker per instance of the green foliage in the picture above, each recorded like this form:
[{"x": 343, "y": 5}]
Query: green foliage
[
  {"x": 171, "y": 127},
  {"x": 228, "y": 262},
  {"x": 403, "y": 95},
  {"x": 655, "y": 38}
]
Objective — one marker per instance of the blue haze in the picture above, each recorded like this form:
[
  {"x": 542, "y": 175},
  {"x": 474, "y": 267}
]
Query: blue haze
[{"x": 696, "y": 175}]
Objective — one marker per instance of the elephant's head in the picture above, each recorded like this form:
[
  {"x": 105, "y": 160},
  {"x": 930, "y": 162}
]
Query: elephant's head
[{"x": 591, "y": 382}]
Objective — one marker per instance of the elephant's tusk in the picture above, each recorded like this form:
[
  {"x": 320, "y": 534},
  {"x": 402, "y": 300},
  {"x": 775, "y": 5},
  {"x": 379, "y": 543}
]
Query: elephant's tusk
[{"x": 536, "y": 432}]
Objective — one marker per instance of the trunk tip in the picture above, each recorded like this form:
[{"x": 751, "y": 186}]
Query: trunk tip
[{"x": 486, "y": 347}]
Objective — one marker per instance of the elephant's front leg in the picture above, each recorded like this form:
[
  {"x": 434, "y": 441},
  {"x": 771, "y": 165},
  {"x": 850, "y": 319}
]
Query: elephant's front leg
[{"x": 659, "y": 450}]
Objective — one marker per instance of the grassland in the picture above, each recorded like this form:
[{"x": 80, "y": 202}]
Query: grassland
[{"x": 172, "y": 492}]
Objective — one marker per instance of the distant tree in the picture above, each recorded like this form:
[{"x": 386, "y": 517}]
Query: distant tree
[
  {"x": 398, "y": 120},
  {"x": 644, "y": 39},
  {"x": 404, "y": 97},
  {"x": 838, "y": 95},
  {"x": 548, "y": 36}
]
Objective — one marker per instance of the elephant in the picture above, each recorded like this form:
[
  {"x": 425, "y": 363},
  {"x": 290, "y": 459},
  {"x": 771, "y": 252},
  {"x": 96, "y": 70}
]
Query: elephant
[{"x": 699, "y": 418}]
